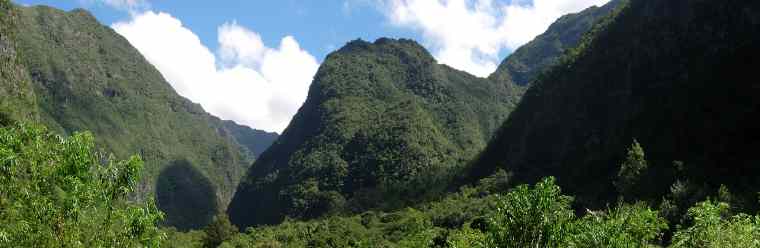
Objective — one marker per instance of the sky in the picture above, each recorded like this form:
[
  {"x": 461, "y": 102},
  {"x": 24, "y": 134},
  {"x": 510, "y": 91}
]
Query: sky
[{"x": 252, "y": 61}]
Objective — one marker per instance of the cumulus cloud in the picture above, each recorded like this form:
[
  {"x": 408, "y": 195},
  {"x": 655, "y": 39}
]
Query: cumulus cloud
[
  {"x": 470, "y": 34},
  {"x": 245, "y": 81}
]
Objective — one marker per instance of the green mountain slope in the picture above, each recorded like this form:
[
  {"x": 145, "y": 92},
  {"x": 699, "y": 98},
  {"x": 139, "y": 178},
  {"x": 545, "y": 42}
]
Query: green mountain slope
[
  {"x": 18, "y": 100},
  {"x": 81, "y": 75},
  {"x": 675, "y": 75},
  {"x": 383, "y": 124},
  {"x": 528, "y": 61},
  {"x": 255, "y": 141}
]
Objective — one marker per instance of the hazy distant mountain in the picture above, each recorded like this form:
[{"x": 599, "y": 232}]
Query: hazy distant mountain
[{"x": 255, "y": 141}]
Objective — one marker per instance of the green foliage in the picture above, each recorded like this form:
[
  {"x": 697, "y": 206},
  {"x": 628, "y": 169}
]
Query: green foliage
[
  {"x": 72, "y": 73},
  {"x": 536, "y": 217},
  {"x": 384, "y": 126},
  {"x": 631, "y": 170},
  {"x": 218, "y": 231},
  {"x": 58, "y": 192},
  {"x": 624, "y": 226},
  {"x": 713, "y": 228},
  {"x": 179, "y": 239}
]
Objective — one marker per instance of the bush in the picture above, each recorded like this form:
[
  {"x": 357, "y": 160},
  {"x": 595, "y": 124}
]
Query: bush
[
  {"x": 526, "y": 217},
  {"x": 625, "y": 226},
  {"x": 712, "y": 228},
  {"x": 55, "y": 192},
  {"x": 218, "y": 231}
]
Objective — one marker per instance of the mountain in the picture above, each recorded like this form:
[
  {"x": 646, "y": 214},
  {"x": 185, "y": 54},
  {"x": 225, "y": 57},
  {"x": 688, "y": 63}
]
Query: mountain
[
  {"x": 676, "y": 76},
  {"x": 528, "y": 61},
  {"x": 255, "y": 141},
  {"x": 383, "y": 124},
  {"x": 18, "y": 100},
  {"x": 69, "y": 72}
]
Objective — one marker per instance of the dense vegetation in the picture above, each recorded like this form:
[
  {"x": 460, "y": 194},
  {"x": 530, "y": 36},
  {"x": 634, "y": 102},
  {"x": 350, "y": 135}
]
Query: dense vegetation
[
  {"x": 641, "y": 136},
  {"x": 533, "y": 58},
  {"x": 384, "y": 125},
  {"x": 71, "y": 73},
  {"x": 672, "y": 75},
  {"x": 480, "y": 216},
  {"x": 16, "y": 91},
  {"x": 60, "y": 192}
]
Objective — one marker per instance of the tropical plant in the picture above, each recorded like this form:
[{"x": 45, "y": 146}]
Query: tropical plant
[{"x": 59, "y": 192}]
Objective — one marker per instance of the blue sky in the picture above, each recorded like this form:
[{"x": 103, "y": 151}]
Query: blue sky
[
  {"x": 253, "y": 61},
  {"x": 321, "y": 26}
]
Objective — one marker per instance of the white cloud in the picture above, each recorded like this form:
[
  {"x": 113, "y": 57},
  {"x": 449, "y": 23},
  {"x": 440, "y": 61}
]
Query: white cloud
[
  {"x": 469, "y": 34},
  {"x": 247, "y": 81}
]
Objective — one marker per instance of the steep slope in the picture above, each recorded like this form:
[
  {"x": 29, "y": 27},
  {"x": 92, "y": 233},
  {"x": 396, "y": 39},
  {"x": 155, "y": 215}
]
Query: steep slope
[
  {"x": 383, "y": 124},
  {"x": 255, "y": 141},
  {"x": 18, "y": 101},
  {"x": 85, "y": 76},
  {"x": 528, "y": 61},
  {"x": 675, "y": 75}
]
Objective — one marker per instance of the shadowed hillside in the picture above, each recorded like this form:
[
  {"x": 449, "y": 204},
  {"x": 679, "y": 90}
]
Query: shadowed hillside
[{"x": 674, "y": 75}]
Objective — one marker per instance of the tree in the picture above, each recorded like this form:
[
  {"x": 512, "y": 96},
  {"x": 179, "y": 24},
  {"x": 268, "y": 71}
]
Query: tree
[
  {"x": 631, "y": 170},
  {"x": 58, "y": 192},
  {"x": 218, "y": 231},
  {"x": 528, "y": 217},
  {"x": 624, "y": 226},
  {"x": 711, "y": 228}
]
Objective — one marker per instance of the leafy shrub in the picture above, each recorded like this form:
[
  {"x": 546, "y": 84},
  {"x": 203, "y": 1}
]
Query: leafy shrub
[
  {"x": 531, "y": 217},
  {"x": 625, "y": 226},
  {"x": 713, "y": 228},
  {"x": 218, "y": 231},
  {"x": 58, "y": 192}
]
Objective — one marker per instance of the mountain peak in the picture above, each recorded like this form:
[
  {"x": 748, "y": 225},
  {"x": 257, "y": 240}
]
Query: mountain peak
[{"x": 387, "y": 46}]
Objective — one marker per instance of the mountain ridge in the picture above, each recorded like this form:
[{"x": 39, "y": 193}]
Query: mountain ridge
[
  {"x": 656, "y": 74},
  {"x": 77, "y": 74},
  {"x": 367, "y": 100}
]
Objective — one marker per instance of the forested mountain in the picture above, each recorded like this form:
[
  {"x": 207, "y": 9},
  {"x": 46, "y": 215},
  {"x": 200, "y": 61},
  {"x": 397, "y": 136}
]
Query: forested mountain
[
  {"x": 255, "y": 141},
  {"x": 673, "y": 76},
  {"x": 383, "y": 124},
  {"x": 637, "y": 133},
  {"x": 384, "y": 121},
  {"x": 531, "y": 59},
  {"x": 69, "y": 72},
  {"x": 18, "y": 101}
]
